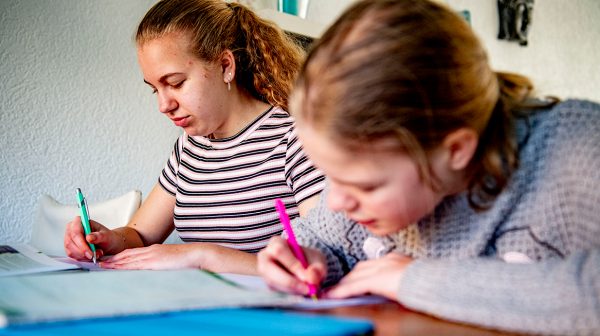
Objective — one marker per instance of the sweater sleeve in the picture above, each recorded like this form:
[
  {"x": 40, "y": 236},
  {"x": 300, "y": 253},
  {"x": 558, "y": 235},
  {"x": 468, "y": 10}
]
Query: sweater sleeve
[{"x": 559, "y": 297}]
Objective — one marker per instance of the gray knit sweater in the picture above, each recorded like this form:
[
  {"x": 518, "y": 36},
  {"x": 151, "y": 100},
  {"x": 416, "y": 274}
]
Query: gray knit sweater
[{"x": 549, "y": 213}]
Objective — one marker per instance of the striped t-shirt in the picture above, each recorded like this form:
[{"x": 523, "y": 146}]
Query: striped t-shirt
[{"x": 225, "y": 188}]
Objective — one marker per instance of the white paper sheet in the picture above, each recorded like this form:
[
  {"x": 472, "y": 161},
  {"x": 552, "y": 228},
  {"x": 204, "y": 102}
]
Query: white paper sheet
[
  {"x": 85, "y": 265},
  {"x": 255, "y": 282},
  {"x": 20, "y": 259},
  {"x": 77, "y": 295}
]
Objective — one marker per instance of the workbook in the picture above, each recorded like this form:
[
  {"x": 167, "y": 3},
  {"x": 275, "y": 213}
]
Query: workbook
[
  {"x": 79, "y": 295},
  {"x": 20, "y": 259}
]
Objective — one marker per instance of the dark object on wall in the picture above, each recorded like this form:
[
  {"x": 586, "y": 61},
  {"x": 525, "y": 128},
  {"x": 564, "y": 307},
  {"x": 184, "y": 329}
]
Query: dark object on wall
[
  {"x": 515, "y": 20},
  {"x": 466, "y": 15}
]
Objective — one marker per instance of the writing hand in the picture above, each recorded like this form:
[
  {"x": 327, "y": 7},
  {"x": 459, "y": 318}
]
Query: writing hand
[
  {"x": 76, "y": 242},
  {"x": 282, "y": 271}
]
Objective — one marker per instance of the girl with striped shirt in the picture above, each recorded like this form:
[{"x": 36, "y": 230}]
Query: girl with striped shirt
[{"x": 222, "y": 74}]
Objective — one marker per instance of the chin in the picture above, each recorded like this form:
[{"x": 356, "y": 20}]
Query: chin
[
  {"x": 379, "y": 231},
  {"x": 384, "y": 230}
]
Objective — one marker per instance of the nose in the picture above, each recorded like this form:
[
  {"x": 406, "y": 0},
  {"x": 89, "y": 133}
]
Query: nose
[
  {"x": 340, "y": 200},
  {"x": 166, "y": 103}
]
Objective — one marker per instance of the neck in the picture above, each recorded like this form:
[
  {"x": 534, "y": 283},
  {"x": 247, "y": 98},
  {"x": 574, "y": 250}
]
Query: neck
[{"x": 243, "y": 109}]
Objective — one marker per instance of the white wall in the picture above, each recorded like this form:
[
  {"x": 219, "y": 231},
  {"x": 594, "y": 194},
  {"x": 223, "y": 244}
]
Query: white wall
[
  {"x": 74, "y": 111},
  {"x": 564, "y": 42},
  {"x": 564, "y": 45}
]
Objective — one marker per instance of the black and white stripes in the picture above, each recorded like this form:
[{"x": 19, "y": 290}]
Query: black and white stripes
[{"x": 225, "y": 188}]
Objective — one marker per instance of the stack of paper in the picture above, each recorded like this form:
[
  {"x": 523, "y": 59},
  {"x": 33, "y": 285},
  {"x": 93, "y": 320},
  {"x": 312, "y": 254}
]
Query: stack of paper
[{"x": 23, "y": 259}]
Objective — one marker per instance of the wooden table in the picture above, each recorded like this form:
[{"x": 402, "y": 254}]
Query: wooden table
[{"x": 391, "y": 319}]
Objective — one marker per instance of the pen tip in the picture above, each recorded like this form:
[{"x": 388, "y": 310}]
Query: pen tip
[{"x": 314, "y": 297}]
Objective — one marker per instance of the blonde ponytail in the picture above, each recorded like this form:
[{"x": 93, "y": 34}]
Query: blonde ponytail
[{"x": 272, "y": 59}]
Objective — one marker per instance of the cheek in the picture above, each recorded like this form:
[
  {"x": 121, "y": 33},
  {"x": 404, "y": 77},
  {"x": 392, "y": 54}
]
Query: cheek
[
  {"x": 383, "y": 204},
  {"x": 403, "y": 204}
]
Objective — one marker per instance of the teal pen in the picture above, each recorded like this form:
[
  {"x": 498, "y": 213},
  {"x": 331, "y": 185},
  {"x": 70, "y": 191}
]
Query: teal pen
[{"x": 85, "y": 219}]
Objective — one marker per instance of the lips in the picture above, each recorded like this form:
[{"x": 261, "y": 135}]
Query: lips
[
  {"x": 180, "y": 122},
  {"x": 369, "y": 222}
]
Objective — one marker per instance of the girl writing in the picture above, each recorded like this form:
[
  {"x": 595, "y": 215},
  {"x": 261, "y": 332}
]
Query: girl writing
[
  {"x": 222, "y": 74},
  {"x": 450, "y": 190}
]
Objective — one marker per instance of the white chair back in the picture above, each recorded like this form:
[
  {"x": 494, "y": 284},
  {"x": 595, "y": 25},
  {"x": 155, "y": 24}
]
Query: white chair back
[{"x": 52, "y": 217}]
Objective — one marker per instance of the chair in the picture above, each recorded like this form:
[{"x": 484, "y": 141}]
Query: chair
[{"x": 51, "y": 219}]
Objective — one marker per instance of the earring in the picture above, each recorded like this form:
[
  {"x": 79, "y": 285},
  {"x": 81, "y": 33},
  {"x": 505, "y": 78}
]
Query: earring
[{"x": 229, "y": 82}]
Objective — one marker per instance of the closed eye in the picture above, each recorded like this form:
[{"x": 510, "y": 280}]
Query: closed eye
[{"x": 177, "y": 85}]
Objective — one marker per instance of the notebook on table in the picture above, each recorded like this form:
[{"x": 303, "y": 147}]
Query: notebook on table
[
  {"x": 72, "y": 302},
  {"x": 222, "y": 322}
]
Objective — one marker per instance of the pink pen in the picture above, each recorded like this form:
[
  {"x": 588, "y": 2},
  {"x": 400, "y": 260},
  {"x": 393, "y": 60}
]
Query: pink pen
[{"x": 285, "y": 221}]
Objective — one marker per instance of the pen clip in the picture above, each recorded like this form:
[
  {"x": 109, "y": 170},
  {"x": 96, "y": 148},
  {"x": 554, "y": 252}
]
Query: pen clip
[{"x": 85, "y": 204}]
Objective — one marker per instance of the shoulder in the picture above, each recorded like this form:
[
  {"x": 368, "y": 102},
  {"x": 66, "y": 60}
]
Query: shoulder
[
  {"x": 564, "y": 139},
  {"x": 578, "y": 105},
  {"x": 566, "y": 124},
  {"x": 281, "y": 119},
  {"x": 574, "y": 114},
  {"x": 278, "y": 114},
  {"x": 275, "y": 120}
]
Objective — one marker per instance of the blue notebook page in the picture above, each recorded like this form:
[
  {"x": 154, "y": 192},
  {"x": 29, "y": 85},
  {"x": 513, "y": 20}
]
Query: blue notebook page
[{"x": 238, "y": 322}]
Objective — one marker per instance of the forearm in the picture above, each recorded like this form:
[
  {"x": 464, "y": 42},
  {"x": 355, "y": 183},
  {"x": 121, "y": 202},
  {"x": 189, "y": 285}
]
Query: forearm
[
  {"x": 127, "y": 238},
  {"x": 219, "y": 259},
  {"x": 554, "y": 297}
]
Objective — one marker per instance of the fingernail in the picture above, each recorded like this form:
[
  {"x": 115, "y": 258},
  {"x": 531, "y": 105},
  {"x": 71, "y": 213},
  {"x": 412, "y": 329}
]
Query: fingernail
[{"x": 88, "y": 255}]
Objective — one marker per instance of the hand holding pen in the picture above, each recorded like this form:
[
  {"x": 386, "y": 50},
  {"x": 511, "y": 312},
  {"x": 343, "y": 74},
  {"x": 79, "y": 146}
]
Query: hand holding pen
[
  {"x": 85, "y": 220},
  {"x": 287, "y": 226}
]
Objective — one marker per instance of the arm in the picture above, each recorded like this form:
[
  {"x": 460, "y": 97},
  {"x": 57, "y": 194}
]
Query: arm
[
  {"x": 554, "y": 296},
  {"x": 207, "y": 256},
  {"x": 150, "y": 225}
]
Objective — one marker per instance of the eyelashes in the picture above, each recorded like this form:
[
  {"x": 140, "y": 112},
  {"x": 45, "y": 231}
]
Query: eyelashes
[{"x": 174, "y": 86}]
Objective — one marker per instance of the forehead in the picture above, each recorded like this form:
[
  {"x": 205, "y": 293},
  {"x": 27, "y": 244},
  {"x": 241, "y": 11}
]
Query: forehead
[{"x": 337, "y": 159}]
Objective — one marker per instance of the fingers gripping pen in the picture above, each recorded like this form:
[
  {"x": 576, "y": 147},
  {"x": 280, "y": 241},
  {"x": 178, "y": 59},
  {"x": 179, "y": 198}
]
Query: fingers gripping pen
[
  {"x": 85, "y": 219},
  {"x": 285, "y": 221}
]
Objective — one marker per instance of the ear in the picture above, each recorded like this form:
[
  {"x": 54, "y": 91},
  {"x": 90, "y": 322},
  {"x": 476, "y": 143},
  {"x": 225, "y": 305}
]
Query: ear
[
  {"x": 460, "y": 145},
  {"x": 228, "y": 66}
]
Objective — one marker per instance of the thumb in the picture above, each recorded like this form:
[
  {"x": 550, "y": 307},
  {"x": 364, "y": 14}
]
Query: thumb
[{"x": 99, "y": 234}]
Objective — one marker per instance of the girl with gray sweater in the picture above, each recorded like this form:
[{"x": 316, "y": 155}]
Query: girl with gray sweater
[{"x": 450, "y": 190}]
